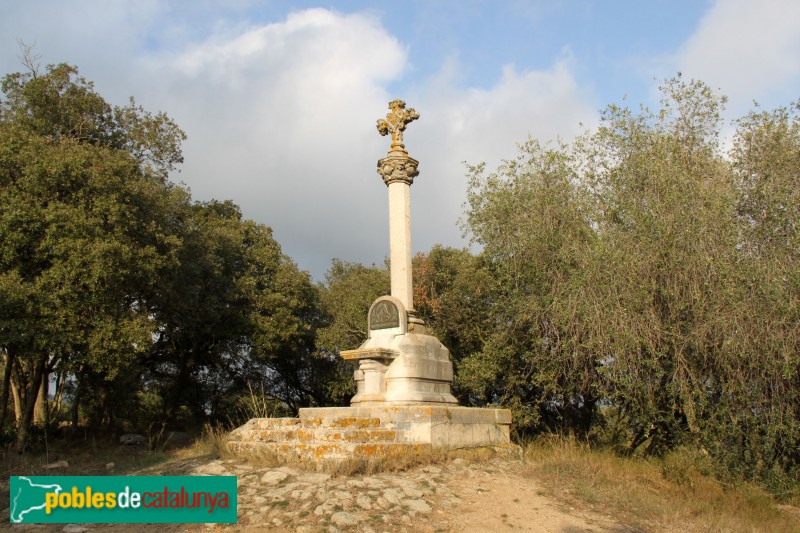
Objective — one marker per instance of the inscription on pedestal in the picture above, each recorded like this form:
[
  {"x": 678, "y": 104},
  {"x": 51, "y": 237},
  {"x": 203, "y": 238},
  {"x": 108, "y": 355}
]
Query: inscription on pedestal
[
  {"x": 384, "y": 314},
  {"x": 387, "y": 313}
]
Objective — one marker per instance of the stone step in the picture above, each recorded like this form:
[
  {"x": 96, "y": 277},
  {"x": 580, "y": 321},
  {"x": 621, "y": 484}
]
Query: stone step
[
  {"x": 315, "y": 451},
  {"x": 342, "y": 422},
  {"x": 373, "y": 432},
  {"x": 320, "y": 434},
  {"x": 270, "y": 423},
  {"x": 358, "y": 422},
  {"x": 255, "y": 425}
]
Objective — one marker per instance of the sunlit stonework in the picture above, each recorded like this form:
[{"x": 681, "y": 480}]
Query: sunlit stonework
[
  {"x": 396, "y": 121},
  {"x": 397, "y": 165},
  {"x": 403, "y": 374}
]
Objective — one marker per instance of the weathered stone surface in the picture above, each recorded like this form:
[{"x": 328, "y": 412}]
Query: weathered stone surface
[
  {"x": 419, "y": 506},
  {"x": 301, "y": 501},
  {"x": 312, "y": 477},
  {"x": 274, "y": 477},
  {"x": 214, "y": 468},
  {"x": 364, "y": 502},
  {"x": 371, "y": 432},
  {"x": 343, "y": 519},
  {"x": 74, "y": 528},
  {"x": 396, "y": 122},
  {"x": 132, "y": 439},
  {"x": 402, "y": 368}
]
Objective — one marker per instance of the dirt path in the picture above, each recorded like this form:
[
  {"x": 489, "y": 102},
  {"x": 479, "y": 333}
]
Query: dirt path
[
  {"x": 459, "y": 496},
  {"x": 495, "y": 496},
  {"x": 498, "y": 498}
]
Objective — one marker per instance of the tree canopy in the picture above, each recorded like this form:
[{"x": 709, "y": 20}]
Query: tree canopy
[
  {"x": 643, "y": 283},
  {"x": 146, "y": 305}
]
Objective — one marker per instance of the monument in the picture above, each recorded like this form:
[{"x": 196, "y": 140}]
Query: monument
[
  {"x": 404, "y": 402},
  {"x": 399, "y": 363}
]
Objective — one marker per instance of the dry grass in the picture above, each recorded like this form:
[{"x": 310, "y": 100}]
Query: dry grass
[
  {"x": 210, "y": 442},
  {"x": 407, "y": 461},
  {"x": 676, "y": 493},
  {"x": 80, "y": 458}
]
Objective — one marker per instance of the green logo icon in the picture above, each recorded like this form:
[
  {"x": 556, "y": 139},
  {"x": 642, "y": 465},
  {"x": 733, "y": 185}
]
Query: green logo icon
[{"x": 122, "y": 499}]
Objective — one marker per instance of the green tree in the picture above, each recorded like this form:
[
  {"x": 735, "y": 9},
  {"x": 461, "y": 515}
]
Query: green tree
[
  {"x": 348, "y": 291},
  {"x": 664, "y": 265},
  {"x": 454, "y": 293},
  {"x": 158, "y": 308},
  {"x": 766, "y": 177},
  {"x": 79, "y": 223},
  {"x": 234, "y": 315},
  {"x": 533, "y": 225},
  {"x": 286, "y": 313},
  {"x": 643, "y": 287},
  {"x": 60, "y": 104}
]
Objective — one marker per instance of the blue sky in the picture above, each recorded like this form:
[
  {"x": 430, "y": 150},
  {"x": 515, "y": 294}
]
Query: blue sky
[{"x": 279, "y": 99}]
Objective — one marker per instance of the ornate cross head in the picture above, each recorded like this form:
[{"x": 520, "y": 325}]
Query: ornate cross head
[{"x": 396, "y": 121}]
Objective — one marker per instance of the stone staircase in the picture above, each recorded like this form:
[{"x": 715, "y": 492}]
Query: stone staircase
[
  {"x": 338, "y": 433},
  {"x": 320, "y": 439}
]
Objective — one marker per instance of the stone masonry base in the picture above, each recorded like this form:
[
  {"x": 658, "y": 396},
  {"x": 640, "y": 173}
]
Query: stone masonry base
[{"x": 337, "y": 433}]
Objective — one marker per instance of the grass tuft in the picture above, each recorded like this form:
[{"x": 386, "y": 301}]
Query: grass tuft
[
  {"x": 677, "y": 492},
  {"x": 212, "y": 441}
]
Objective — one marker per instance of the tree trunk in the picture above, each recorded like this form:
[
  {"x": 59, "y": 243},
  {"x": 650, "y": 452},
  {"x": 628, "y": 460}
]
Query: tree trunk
[
  {"x": 31, "y": 396},
  {"x": 76, "y": 400},
  {"x": 40, "y": 413},
  {"x": 178, "y": 390},
  {"x": 17, "y": 401},
  {"x": 58, "y": 395},
  {"x": 9, "y": 360}
]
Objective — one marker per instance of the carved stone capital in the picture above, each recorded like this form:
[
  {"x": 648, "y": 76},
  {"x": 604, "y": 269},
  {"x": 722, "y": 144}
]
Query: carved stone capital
[{"x": 398, "y": 168}]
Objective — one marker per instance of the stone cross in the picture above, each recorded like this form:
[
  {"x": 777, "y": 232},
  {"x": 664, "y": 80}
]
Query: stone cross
[
  {"x": 398, "y": 171},
  {"x": 400, "y": 364},
  {"x": 396, "y": 122}
]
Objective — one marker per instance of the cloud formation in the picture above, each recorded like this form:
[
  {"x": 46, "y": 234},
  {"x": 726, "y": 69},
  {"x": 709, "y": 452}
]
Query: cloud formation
[
  {"x": 485, "y": 125},
  {"x": 281, "y": 119},
  {"x": 281, "y": 115},
  {"x": 748, "y": 50}
]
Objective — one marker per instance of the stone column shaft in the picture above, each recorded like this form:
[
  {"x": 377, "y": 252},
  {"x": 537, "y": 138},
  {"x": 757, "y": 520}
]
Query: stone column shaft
[{"x": 400, "y": 242}]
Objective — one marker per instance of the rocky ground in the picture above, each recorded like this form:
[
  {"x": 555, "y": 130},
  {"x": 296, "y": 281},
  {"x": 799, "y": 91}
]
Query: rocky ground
[
  {"x": 497, "y": 495},
  {"x": 456, "y": 496}
]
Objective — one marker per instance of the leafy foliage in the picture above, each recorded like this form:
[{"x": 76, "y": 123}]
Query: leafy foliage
[
  {"x": 349, "y": 290},
  {"x": 148, "y": 307},
  {"x": 645, "y": 284}
]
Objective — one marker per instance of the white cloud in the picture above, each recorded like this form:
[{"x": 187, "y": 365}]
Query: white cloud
[
  {"x": 747, "y": 49},
  {"x": 281, "y": 116},
  {"x": 477, "y": 125},
  {"x": 281, "y": 119},
  {"x": 100, "y": 37}
]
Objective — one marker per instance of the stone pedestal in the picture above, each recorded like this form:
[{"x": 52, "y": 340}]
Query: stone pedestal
[
  {"x": 400, "y": 364},
  {"x": 377, "y": 432}
]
